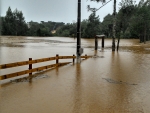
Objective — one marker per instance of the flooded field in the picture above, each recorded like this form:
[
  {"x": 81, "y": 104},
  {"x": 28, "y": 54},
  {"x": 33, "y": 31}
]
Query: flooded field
[{"x": 109, "y": 82}]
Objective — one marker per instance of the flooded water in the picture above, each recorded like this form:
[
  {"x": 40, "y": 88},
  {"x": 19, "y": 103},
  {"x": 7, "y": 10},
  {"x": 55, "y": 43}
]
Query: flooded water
[{"x": 109, "y": 82}]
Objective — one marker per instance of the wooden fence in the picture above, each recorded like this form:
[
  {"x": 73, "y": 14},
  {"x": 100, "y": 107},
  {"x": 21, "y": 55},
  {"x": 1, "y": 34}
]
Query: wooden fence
[{"x": 30, "y": 62}]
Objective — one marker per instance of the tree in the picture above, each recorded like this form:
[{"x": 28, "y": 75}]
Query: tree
[
  {"x": 39, "y": 32},
  {"x": 44, "y": 28},
  {"x": 8, "y": 23},
  {"x": 1, "y": 22},
  {"x": 144, "y": 17},
  {"x": 114, "y": 21},
  {"x": 93, "y": 26},
  {"x": 107, "y": 25},
  {"x": 14, "y": 23},
  {"x": 67, "y": 30},
  {"x": 83, "y": 28},
  {"x": 33, "y": 28},
  {"x": 20, "y": 24},
  {"x": 126, "y": 13},
  {"x": 133, "y": 21}
]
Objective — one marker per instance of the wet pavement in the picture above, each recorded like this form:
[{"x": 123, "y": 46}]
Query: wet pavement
[{"x": 109, "y": 82}]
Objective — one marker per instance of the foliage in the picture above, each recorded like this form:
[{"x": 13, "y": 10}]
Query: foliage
[
  {"x": 107, "y": 25},
  {"x": 67, "y": 30},
  {"x": 93, "y": 26},
  {"x": 14, "y": 23},
  {"x": 89, "y": 28},
  {"x": 133, "y": 21},
  {"x": 43, "y": 28}
]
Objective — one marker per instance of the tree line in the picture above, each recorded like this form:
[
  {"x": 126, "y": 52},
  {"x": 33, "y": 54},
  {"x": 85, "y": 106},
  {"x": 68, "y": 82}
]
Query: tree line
[
  {"x": 14, "y": 24},
  {"x": 132, "y": 21}
]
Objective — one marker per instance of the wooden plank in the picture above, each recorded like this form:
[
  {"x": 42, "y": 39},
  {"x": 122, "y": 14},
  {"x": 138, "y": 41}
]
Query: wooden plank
[
  {"x": 22, "y": 63},
  {"x": 66, "y": 57},
  {"x": 42, "y": 68},
  {"x": 39, "y": 60},
  {"x": 30, "y": 71},
  {"x": 65, "y": 63},
  {"x": 11, "y": 75},
  {"x": 52, "y": 58},
  {"x": 2, "y": 77},
  {"x": 22, "y": 73},
  {"x": 10, "y": 65},
  {"x": 50, "y": 66},
  {"x": 2, "y": 66},
  {"x": 42, "y": 60},
  {"x": 32, "y": 62},
  {"x": 46, "y": 59}
]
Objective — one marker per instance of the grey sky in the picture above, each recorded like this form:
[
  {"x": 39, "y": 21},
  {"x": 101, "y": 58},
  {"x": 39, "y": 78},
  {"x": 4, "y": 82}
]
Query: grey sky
[{"x": 54, "y": 10}]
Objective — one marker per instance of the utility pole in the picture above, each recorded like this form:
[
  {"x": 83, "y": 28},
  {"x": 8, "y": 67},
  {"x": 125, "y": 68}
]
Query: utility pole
[
  {"x": 114, "y": 27},
  {"x": 0, "y": 19},
  {"x": 0, "y": 26},
  {"x": 79, "y": 32}
]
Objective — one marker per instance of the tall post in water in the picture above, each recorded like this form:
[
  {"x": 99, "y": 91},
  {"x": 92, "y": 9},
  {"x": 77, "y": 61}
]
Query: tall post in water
[
  {"x": 0, "y": 19},
  {"x": 114, "y": 27},
  {"x": 0, "y": 25},
  {"x": 79, "y": 32},
  {"x": 103, "y": 38},
  {"x": 96, "y": 42}
]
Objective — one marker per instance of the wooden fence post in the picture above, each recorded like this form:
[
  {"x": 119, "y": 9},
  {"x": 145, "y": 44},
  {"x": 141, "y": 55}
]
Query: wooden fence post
[
  {"x": 103, "y": 42},
  {"x": 85, "y": 56},
  {"x": 57, "y": 59},
  {"x": 30, "y": 67},
  {"x": 96, "y": 43},
  {"x": 73, "y": 58}
]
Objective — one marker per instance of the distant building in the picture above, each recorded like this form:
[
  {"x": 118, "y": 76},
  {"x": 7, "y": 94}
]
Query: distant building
[{"x": 53, "y": 31}]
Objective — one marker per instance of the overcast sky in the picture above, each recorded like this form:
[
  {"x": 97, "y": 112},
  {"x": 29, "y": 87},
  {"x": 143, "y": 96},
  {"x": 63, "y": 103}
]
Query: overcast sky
[{"x": 55, "y": 10}]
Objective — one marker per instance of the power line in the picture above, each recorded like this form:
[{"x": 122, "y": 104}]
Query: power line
[
  {"x": 94, "y": 9},
  {"x": 103, "y": 5}
]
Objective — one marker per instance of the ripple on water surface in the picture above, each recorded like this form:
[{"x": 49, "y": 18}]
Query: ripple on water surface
[{"x": 109, "y": 82}]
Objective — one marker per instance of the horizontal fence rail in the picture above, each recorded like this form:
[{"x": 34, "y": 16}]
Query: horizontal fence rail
[
  {"x": 30, "y": 62},
  {"x": 4, "y": 66}
]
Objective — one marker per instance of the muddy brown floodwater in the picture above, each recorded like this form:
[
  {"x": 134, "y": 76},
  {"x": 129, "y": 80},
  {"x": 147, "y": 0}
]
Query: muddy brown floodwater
[{"x": 109, "y": 82}]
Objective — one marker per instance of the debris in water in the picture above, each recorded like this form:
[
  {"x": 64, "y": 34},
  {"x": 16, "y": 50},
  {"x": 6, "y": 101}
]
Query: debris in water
[
  {"x": 117, "y": 82},
  {"x": 95, "y": 56},
  {"x": 26, "y": 79}
]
